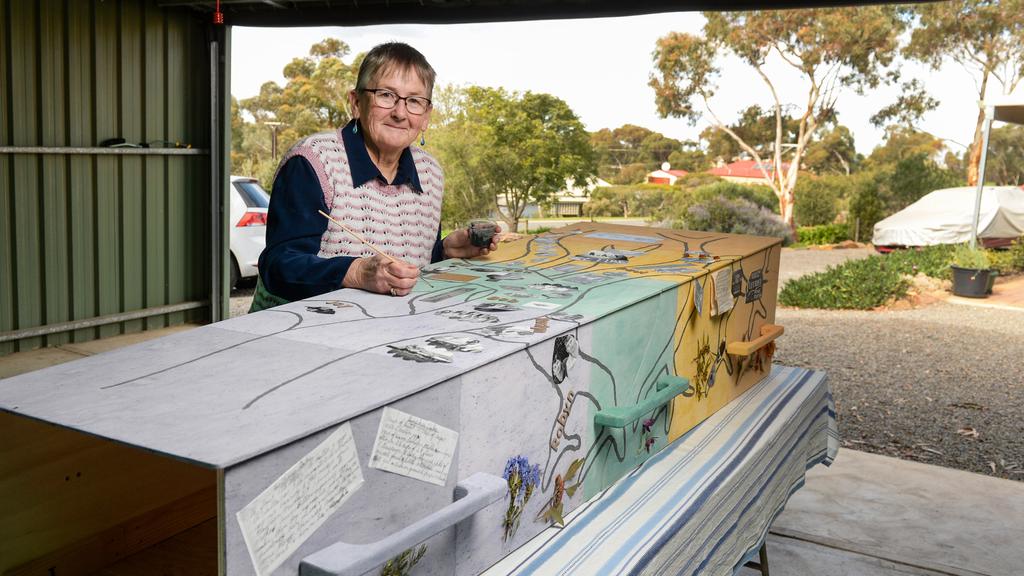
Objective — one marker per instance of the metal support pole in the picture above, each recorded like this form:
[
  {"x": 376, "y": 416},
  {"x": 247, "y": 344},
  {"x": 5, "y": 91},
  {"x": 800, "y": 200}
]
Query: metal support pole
[
  {"x": 986, "y": 127},
  {"x": 216, "y": 268}
]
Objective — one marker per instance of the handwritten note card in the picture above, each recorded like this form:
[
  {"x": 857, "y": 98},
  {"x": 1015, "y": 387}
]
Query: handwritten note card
[
  {"x": 723, "y": 301},
  {"x": 413, "y": 447},
  {"x": 284, "y": 515}
]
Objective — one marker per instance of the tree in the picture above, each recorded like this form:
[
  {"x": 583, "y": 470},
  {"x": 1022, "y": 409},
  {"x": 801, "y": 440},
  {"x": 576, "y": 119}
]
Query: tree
[
  {"x": 902, "y": 143},
  {"x": 524, "y": 146},
  {"x": 830, "y": 48},
  {"x": 625, "y": 151},
  {"x": 756, "y": 127},
  {"x": 910, "y": 106},
  {"x": 456, "y": 142},
  {"x": 986, "y": 37},
  {"x": 690, "y": 157},
  {"x": 1005, "y": 164},
  {"x": 312, "y": 100},
  {"x": 833, "y": 152}
]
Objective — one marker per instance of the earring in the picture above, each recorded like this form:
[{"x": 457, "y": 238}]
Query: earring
[
  {"x": 423, "y": 139},
  {"x": 355, "y": 128}
]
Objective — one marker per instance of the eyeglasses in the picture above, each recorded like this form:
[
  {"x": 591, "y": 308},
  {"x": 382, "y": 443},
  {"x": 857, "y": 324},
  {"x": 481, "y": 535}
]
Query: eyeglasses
[{"x": 384, "y": 98}]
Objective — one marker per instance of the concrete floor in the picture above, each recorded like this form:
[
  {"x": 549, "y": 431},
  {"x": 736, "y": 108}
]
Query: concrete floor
[
  {"x": 866, "y": 515},
  {"x": 874, "y": 515}
]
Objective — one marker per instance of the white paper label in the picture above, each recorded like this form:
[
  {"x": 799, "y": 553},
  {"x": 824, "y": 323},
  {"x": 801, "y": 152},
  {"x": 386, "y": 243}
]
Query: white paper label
[
  {"x": 413, "y": 447},
  {"x": 724, "y": 300},
  {"x": 284, "y": 515}
]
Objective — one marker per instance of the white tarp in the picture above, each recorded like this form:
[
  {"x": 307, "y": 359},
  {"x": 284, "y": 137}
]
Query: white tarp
[{"x": 944, "y": 217}]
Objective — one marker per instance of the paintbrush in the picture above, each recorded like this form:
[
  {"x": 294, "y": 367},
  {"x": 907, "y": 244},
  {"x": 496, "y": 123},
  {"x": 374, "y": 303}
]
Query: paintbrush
[
  {"x": 358, "y": 237},
  {"x": 364, "y": 240}
]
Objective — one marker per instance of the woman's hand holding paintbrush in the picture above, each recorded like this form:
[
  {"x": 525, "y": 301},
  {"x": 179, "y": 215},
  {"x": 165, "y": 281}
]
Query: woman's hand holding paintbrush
[{"x": 380, "y": 273}]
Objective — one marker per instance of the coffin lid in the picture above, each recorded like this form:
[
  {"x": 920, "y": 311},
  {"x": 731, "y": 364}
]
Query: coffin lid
[{"x": 227, "y": 392}]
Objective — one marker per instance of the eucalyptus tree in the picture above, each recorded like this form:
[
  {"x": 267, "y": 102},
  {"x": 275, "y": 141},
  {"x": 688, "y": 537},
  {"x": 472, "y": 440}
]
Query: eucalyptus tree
[
  {"x": 985, "y": 37},
  {"x": 831, "y": 49}
]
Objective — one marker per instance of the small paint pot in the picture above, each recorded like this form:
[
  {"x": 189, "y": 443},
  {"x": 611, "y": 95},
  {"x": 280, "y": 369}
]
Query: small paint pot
[{"x": 481, "y": 232}]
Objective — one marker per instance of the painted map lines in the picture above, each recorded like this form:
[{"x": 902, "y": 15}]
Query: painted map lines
[
  {"x": 207, "y": 355},
  {"x": 526, "y": 253},
  {"x": 599, "y": 364}
]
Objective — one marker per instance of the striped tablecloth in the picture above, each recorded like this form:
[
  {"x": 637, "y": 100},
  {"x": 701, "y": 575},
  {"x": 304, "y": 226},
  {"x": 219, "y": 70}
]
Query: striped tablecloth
[{"x": 704, "y": 504}]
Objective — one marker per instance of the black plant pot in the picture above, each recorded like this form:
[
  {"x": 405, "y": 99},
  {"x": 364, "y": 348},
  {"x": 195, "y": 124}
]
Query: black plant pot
[{"x": 970, "y": 282}]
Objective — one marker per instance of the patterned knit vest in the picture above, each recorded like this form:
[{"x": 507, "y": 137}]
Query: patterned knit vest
[{"x": 396, "y": 219}]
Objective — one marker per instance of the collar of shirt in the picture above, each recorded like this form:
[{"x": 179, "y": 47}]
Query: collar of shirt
[{"x": 364, "y": 170}]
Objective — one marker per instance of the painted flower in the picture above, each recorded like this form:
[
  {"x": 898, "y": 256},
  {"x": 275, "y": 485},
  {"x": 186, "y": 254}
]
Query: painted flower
[{"x": 522, "y": 479}]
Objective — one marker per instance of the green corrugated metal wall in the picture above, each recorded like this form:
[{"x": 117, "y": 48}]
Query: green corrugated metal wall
[{"x": 89, "y": 235}]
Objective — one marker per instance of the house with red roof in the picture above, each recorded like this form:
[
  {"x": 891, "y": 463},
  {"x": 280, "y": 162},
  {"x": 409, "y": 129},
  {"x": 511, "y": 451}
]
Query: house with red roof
[
  {"x": 665, "y": 176},
  {"x": 745, "y": 171}
]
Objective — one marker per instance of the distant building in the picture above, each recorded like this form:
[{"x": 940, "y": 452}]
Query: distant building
[
  {"x": 745, "y": 171},
  {"x": 568, "y": 202},
  {"x": 665, "y": 176}
]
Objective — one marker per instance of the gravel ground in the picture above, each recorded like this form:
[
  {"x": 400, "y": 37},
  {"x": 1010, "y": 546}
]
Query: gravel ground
[
  {"x": 241, "y": 297},
  {"x": 941, "y": 384}
]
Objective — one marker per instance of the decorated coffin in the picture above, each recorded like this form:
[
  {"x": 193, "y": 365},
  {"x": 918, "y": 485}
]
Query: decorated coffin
[{"x": 356, "y": 433}]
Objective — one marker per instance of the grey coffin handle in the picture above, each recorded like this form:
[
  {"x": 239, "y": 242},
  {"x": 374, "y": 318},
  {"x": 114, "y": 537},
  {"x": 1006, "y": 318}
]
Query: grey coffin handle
[{"x": 471, "y": 495}]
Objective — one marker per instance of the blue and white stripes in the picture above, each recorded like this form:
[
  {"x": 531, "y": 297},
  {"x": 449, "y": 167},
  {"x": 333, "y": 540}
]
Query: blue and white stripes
[{"x": 704, "y": 504}]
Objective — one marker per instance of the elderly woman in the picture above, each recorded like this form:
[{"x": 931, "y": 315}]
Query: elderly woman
[{"x": 368, "y": 177}]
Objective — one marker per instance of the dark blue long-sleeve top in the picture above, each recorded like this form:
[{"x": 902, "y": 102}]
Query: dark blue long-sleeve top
[{"x": 289, "y": 266}]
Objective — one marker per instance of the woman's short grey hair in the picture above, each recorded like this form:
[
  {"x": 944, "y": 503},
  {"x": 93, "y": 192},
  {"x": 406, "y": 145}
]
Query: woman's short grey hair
[{"x": 394, "y": 56}]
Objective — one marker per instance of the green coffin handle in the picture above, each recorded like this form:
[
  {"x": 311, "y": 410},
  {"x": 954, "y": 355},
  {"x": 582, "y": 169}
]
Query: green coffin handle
[{"x": 667, "y": 388}]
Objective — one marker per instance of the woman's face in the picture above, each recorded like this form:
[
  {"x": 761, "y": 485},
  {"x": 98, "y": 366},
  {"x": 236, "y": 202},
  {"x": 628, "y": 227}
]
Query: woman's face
[{"x": 391, "y": 130}]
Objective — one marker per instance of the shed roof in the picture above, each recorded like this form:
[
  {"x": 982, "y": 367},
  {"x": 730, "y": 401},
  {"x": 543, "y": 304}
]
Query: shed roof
[{"x": 280, "y": 13}]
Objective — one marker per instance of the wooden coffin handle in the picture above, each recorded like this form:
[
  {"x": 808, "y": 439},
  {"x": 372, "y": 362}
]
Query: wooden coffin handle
[
  {"x": 769, "y": 332},
  {"x": 341, "y": 559},
  {"x": 667, "y": 388}
]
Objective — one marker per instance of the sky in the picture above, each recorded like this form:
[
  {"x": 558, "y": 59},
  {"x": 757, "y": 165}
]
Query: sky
[{"x": 599, "y": 66}]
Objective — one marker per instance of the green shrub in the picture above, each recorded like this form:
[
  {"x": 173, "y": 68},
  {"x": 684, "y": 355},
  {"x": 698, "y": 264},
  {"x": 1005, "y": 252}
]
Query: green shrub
[
  {"x": 855, "y": 284},
  {"x": 929, "y": 260},
  {"x": 824, "y": 234},
  {"x": 735, "y": 216},
  {"x": 1002, "y": 261},
  {"x": 913, "y": 177},
  {"x": 676, "y": 206},
  {"x": 965, "y": 256},
  {"x": 867, "y": 206},
  {"x": 1017, "y": 254},
  {"x": 817, "y": 199},
  {"x": 697, "y": 179},
  {"x": 638, "y": 200}
]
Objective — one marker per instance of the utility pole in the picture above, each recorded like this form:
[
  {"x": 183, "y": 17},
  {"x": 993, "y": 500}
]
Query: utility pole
[{"x": 273, "y": 138}]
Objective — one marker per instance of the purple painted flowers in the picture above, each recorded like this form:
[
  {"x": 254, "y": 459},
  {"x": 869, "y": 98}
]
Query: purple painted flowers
[
  {"x": 522, "y": 479},
  {"x": 646, "y": 438}
]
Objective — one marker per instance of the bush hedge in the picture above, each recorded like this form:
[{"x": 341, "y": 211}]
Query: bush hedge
[
  {"x": 870, "y": 282},
  {"x": 824, "y": 234},
  {"x": 931, "y": 261},
  {"x": 733, "y": 215},
  {"x": 818, "y": 198},
  {"x": 855, "y": 284}
]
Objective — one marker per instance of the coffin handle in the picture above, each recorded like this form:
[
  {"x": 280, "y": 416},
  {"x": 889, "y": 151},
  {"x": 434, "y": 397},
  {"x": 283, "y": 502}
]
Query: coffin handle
[
  {"x": 667, "y": 388},
  {"x": 341, "y": 559},
  {"x": 769, "y": 332}
]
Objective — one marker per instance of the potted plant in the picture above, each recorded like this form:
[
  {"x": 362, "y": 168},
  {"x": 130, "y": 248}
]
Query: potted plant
[{"x": 971, "y": 272}]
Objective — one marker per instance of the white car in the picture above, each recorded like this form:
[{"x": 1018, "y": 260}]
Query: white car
[{"x": 248, "y": 219}]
